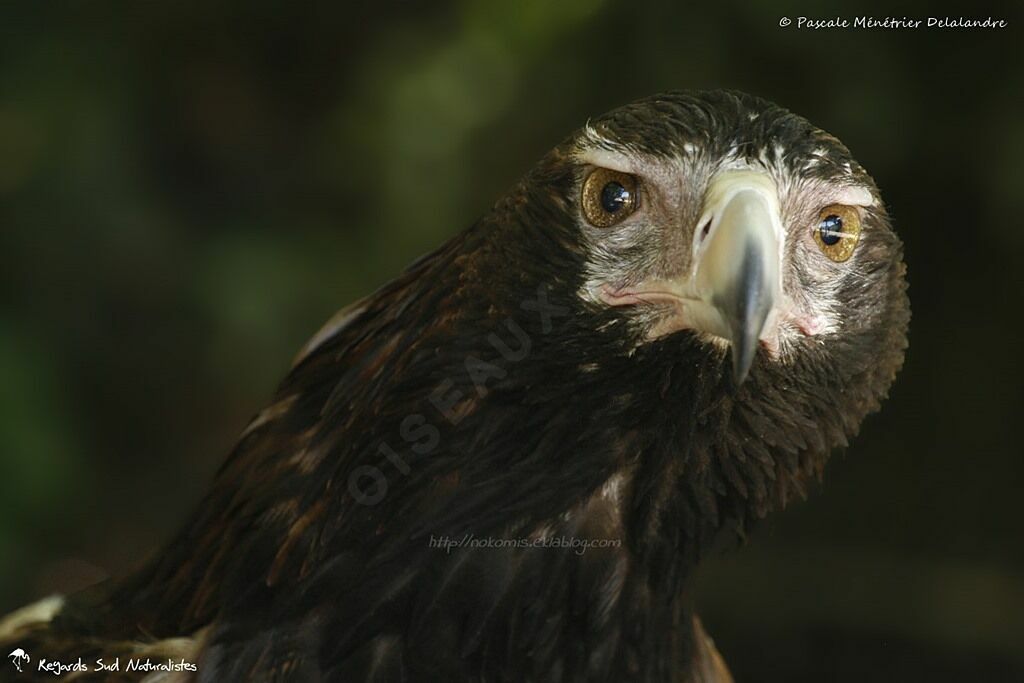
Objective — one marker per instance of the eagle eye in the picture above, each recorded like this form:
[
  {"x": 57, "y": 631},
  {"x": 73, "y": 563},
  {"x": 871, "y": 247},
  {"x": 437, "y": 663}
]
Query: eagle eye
[
  {"x": 837, "y": 231},
  {"x": 609, "y": 197}
]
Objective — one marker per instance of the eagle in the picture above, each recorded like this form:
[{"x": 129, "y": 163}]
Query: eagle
[{"x": 506, "y": 463}]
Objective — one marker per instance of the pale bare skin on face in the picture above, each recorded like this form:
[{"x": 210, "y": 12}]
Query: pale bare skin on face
[{"x": 652, "y": 260}]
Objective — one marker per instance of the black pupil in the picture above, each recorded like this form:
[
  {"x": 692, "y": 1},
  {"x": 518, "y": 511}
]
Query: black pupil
[
  {"x": 831, "y": 230},
  {"x": 613, "y": 197}
]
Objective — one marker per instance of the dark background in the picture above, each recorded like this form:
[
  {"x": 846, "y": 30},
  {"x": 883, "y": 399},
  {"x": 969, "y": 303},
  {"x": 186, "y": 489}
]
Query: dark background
[{"x": 188, "y": 190}]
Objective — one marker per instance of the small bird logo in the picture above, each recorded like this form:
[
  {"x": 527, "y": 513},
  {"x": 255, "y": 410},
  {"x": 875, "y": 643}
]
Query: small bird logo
[{"x": 19, "y": 657}]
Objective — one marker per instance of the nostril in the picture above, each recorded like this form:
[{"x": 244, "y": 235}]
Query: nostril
[{"x": 705, "y": 230}]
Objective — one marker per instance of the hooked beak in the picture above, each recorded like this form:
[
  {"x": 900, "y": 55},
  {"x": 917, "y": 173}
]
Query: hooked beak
[{"x": 738, "y": 262}]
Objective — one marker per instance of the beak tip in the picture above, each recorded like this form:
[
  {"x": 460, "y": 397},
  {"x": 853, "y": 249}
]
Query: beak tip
[
  {"x": 742, "y": 359},
  {"x": 740, "y": 372}
]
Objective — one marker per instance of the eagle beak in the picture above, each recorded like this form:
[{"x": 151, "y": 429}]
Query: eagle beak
[{"x": 738, "y": 262}]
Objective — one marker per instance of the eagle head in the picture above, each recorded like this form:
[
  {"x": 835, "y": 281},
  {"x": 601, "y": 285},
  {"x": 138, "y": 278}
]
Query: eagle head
[{"x": 735, "y": 294}]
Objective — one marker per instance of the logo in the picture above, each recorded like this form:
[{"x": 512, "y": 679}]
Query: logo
[{"x": 19, "y": 657}]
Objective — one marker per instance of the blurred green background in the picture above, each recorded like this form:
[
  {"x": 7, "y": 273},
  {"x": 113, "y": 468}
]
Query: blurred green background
[{"x": 188, "y": 190}]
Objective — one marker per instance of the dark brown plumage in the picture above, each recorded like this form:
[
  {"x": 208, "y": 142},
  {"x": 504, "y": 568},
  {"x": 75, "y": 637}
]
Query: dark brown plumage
[{"x": 659, "y": 374}]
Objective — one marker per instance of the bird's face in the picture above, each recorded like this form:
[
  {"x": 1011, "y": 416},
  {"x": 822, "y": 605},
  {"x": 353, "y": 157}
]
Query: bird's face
[{"x": 730, "y": 218}]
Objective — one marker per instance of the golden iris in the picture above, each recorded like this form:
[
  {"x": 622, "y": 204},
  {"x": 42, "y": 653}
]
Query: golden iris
[
  {"x": 609, "y": 197},
  {"x": 838, "y": 231}
]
